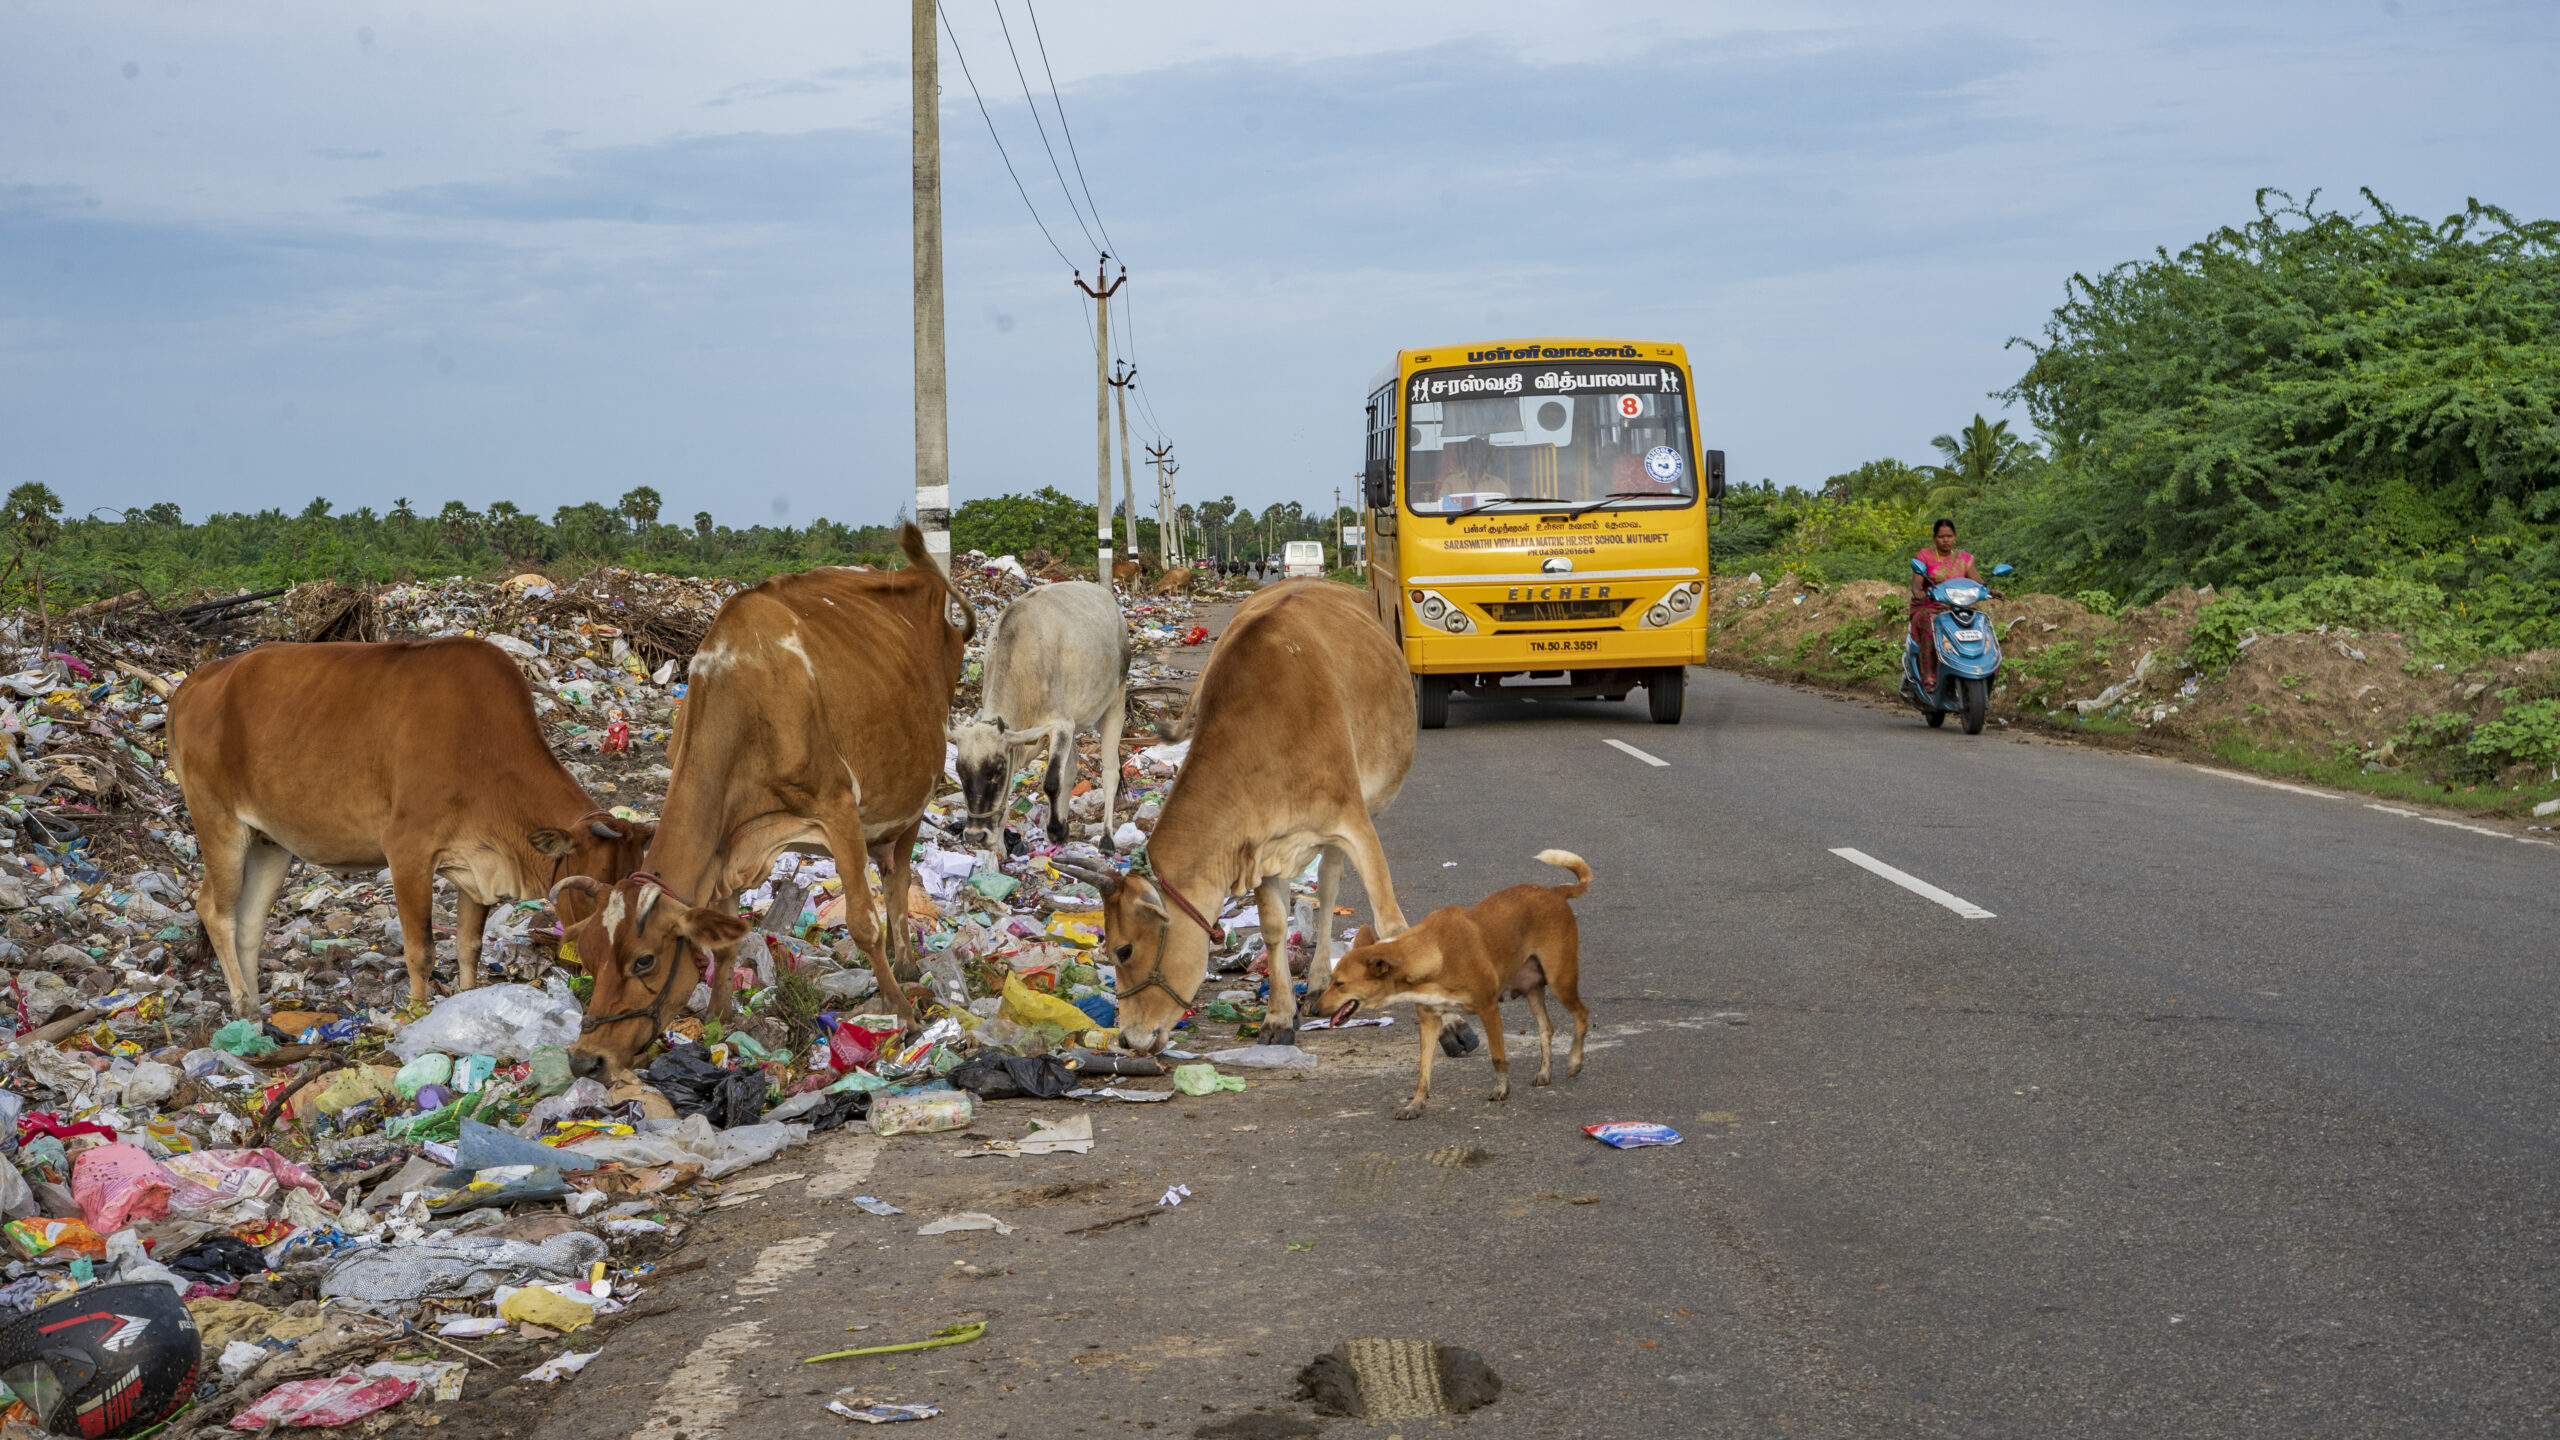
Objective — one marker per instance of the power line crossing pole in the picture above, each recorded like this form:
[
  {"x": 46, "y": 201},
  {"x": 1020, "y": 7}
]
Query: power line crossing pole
[
  {"x": 1167, "y": 544},
  {"x": 1128, "y": 491},
  {"x": 1102, "y": 407}
]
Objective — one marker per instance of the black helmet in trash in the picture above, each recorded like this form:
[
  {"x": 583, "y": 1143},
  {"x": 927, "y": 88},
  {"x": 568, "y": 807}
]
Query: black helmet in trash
[{"x": 108, "y": 1361}]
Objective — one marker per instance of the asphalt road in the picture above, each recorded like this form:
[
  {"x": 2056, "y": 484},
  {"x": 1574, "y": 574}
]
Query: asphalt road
[{"x": 2236, "y": 1117}]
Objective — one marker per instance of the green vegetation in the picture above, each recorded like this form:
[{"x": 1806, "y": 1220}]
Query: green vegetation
[{"x": 2333, "y": 419}]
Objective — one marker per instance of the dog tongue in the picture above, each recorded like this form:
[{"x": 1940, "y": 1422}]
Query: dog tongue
[{"x": 1345, "y": 1012}]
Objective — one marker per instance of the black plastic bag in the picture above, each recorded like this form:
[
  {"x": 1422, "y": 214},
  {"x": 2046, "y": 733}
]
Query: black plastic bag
[
  {"x": 695, "y": 1086},
  {"x": 840, "y": 1109},
  {"x": 1008, "y": 1077},
  {"x": 219, "y": 1260}
]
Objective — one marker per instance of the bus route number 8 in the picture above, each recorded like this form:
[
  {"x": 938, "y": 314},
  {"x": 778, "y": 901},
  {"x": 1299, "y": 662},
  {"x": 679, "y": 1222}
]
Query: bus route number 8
[{"x": 1630, "y": 406}]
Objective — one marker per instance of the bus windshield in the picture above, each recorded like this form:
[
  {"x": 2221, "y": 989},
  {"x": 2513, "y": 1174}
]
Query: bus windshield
[{"x": 1547, "y": 436}]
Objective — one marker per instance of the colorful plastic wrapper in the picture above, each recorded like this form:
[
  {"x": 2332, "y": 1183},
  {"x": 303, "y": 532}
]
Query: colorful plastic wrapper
[
  {"x": 1628, "y": 1134},
  {"x": 918, "y": 1054},
  {"x": 876, "y": 1205},
  {"x": 331, "y": 1400},
  {"x": 921, "y": 1112}
]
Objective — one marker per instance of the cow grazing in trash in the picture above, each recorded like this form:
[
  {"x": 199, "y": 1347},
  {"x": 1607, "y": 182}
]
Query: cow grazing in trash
[
  {"x": 813, "y": 721},
  {"x": 1057, "y": 664},
  {"x": 1301, "y": 729},
  {"x": 423, "y": 756}
]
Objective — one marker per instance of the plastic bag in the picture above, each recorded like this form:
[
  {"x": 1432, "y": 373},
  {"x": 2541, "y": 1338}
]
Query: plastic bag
[
  {"x": 850, "y": 1046},
  {"x": 1026, "y": 1006},
  {"x": 1203, "y": 1080},
  {"x": 1008, "y": 1077},
  {"x": 331, "y": 1400},
  {"x": 719, "y": 1152},
  {"x": 432, "y": 1068},
  {"x": 509, "y": 1022},
  {"x": 551, "y": 1074},
  {"x": 118, "y": 1184},
  {"x": 244, "y": 1037},
  {"x": 921, "y": 1112},
  {"x": 695, "y": 1086},
  {"x": 1266, "y": 1057}
]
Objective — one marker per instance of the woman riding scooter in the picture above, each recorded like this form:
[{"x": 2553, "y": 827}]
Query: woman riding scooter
[{"x": 1943, "y": 562}]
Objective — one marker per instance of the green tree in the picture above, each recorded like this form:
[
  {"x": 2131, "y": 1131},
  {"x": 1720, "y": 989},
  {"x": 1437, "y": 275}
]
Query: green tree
[
  {"x": 640, "y": 506},
  {"x": 1977, "y": 457},
  {"x": 2306, "y": 393},
  {"x": 1016, "y": 524}
]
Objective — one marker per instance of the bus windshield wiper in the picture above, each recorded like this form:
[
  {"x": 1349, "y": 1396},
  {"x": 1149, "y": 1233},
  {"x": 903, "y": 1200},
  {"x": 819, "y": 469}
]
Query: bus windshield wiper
[{"x": 1627, "y": 495}]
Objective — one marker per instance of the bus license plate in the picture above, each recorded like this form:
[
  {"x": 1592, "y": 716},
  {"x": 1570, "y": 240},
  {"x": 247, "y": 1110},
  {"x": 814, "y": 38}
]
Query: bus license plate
[{"x": 1558, "y": 647}]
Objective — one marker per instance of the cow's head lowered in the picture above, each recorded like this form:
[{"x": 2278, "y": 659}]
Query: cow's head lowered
[
  {"x": 646, "y": 950},
  {"x": 1159, "y": 955},
  {"x": 600, "y": 847},
  {"x": 988, "y": 753}
]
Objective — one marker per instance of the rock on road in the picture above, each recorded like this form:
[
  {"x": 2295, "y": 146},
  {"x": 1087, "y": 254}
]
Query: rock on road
[{"x": 2237, "y": 1117}]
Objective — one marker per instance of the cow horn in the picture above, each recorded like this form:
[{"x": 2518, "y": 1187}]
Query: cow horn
[
  {"x": 586, "y": 883},
  {"x": 1106, "y": 881}
]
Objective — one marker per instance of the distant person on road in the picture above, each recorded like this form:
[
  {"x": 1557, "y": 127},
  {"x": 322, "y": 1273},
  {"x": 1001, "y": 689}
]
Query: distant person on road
[{"x": 1944, "y": 562}]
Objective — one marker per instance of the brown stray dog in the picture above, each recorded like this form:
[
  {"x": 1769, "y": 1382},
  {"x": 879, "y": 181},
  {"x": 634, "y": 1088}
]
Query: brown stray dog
[{"x": 1469, "y": 959}]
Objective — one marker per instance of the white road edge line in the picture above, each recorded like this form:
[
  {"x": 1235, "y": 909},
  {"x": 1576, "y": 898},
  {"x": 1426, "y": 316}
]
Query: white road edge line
[
  {"x": 1914, "y": 884},
  {"x": 2455, "y": 824},
  {"x": 1630, "y": 749},
  {"x": 2270, "y": 784}
]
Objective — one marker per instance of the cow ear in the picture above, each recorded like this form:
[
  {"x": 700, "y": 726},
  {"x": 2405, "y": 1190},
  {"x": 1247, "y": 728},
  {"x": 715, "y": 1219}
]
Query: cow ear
[
  {"x": 711, "y": 929},
  {"x": 1142, "y": 898},
  {"x": 551, "y": 841}
]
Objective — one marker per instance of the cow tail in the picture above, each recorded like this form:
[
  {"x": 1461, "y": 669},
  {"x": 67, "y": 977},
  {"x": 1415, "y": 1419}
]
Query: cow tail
[
  {"x": 911, "y": 540},
  {"x": 1566, "y": 859}
]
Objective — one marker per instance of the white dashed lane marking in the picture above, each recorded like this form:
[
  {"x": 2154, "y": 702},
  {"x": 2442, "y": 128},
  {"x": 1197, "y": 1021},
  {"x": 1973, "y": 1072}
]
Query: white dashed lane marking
[
  {"x": 1915, "y": 884},
  {"x": 1630, "y": 749}
]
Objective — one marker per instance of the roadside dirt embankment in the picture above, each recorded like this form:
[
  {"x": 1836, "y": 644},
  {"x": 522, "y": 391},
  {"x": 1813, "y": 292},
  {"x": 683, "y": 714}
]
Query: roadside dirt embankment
[{"x": 2327, "y": 695}]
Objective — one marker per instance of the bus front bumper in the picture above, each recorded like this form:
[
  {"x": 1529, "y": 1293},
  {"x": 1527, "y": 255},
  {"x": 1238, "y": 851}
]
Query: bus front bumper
[{"x": 1684, "y": 644}]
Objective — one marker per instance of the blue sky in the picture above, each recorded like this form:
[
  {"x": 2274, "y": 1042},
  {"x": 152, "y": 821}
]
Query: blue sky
[{"x": 249, "y": 255}]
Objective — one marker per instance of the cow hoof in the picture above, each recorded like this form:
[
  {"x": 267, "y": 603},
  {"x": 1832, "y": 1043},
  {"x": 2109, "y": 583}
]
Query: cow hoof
[
  {"x": 1458, "y": 1038},
  {"x": 1105, "y": 842},
  {"x": 1409, "y": 1111},
  {"x": 1278, "y": 1034}
]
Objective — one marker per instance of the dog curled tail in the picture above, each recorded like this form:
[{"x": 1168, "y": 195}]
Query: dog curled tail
[{"x": 1567, "y": 860}]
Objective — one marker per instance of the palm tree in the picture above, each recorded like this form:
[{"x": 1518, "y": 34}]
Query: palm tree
[
  {"x": 1978, "y": 456},
  {"x": 640, "y": 507}
]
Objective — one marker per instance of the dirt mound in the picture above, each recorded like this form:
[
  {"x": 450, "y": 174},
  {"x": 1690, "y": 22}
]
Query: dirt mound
[{"x": 1793, "y": 624}]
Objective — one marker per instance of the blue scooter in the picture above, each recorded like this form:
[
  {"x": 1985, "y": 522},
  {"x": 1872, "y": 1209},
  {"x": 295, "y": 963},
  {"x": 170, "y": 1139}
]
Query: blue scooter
[{"x": 1968, "y": 654}]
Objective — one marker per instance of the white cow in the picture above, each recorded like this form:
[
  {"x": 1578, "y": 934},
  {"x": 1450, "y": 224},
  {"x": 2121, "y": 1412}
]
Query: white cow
[{"x": 1057, "y": 665}]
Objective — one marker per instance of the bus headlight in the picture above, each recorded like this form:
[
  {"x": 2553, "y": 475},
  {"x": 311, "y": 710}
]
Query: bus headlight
[
  {"x": 1433, "y": 607},
  {"x": 1657, "y": 616},
  {"x": 1458, "y": 623},
  {"x": 1682, "y": 599},
  {"x": 1438, "y": 612}
]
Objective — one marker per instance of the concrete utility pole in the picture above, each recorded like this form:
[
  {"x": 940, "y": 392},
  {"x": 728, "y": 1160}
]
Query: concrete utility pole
[
  {"x": 1102, "y": 407},
  {"x": 1128, "y": 490},
  {"x": 1340, "y": 540},
  {"x": 1167, "y": 544},
  {"x": 933, "y": 421}
]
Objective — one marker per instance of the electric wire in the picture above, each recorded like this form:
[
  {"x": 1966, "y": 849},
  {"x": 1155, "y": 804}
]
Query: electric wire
[
  {"x": 1037, "y": 124},
  {"x": 992, "y": 135},
  {"x": 1056, "y": 104}
]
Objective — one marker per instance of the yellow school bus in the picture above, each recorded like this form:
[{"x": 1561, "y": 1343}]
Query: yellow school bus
[{"x": 1538, "y": 520}]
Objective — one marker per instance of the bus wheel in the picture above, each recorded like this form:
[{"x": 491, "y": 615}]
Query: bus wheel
[
  {"x": 1431, "y": 700},
  {"x": 1663, "y": 691}
]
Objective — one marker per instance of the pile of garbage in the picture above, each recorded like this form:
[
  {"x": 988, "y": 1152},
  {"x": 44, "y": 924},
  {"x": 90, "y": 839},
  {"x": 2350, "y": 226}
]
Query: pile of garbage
[{"x": 360, "y": 1202}]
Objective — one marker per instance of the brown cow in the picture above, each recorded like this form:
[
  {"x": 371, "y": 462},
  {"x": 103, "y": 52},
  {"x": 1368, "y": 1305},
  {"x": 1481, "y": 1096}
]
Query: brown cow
[
  {"x": 814, "y": 719},
  {"x": 424, "y": 756},
  {"x": 1302, "y": 729}
]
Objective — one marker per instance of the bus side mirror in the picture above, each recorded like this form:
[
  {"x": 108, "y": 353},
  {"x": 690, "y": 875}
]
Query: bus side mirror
[
  {"x": 1715, "y": 474},
  {"x": 1378, "y": 484}
]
